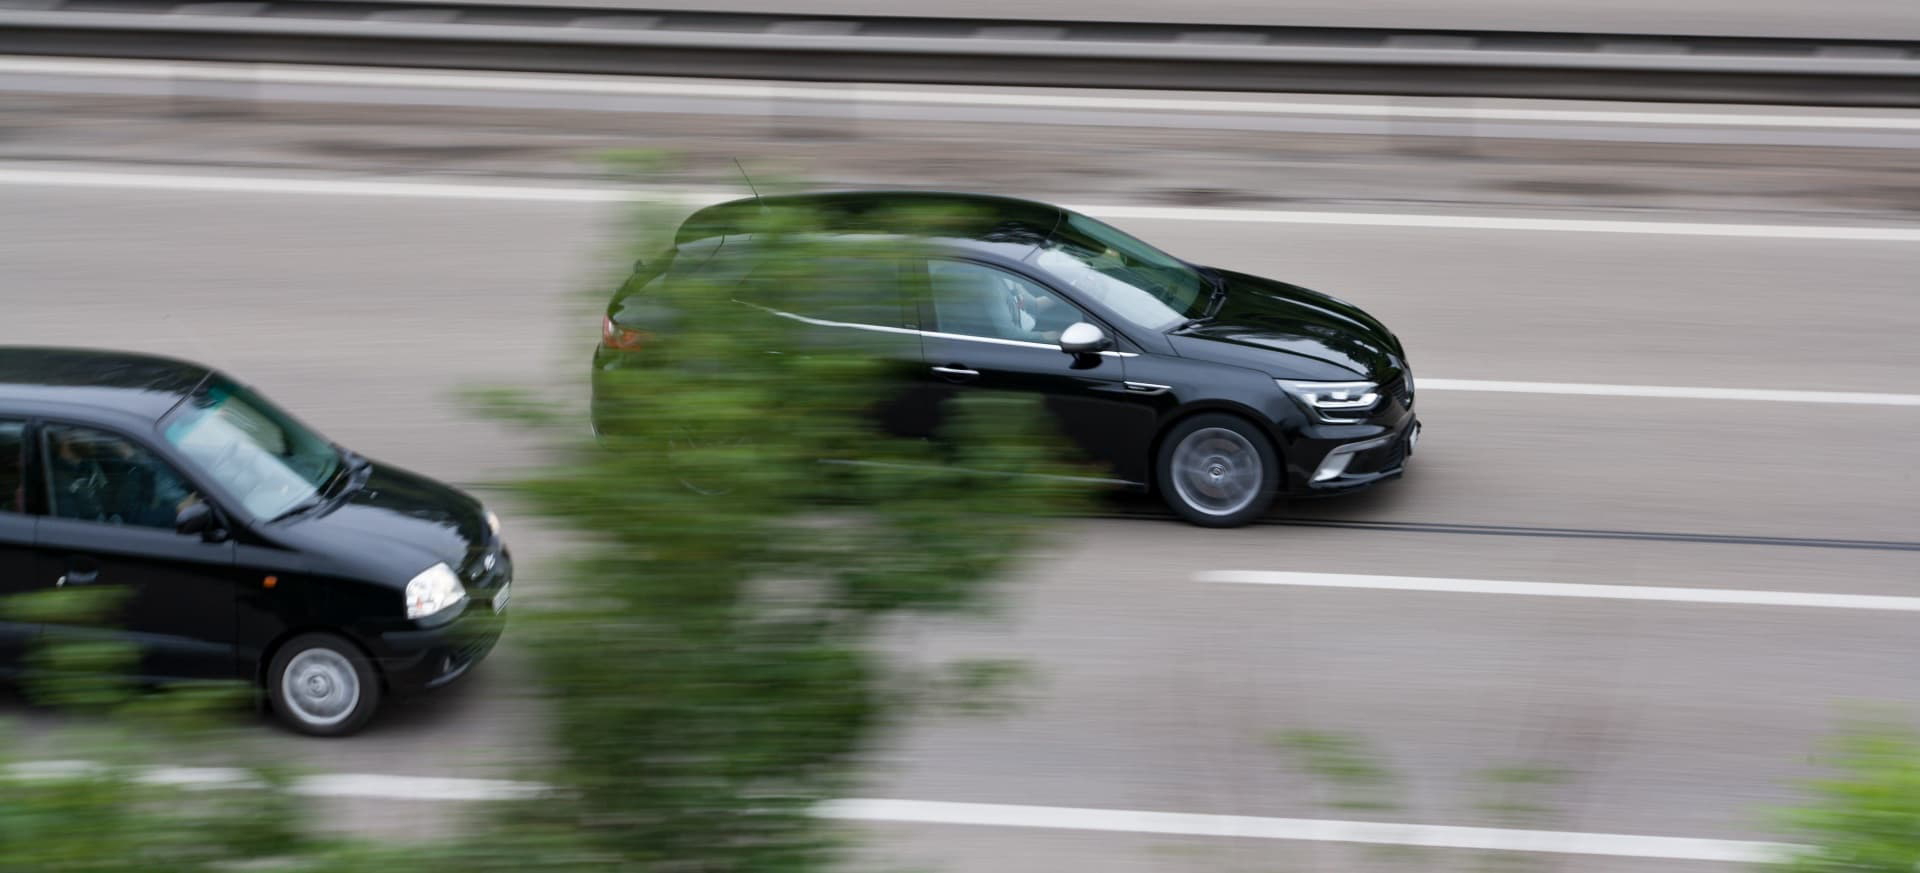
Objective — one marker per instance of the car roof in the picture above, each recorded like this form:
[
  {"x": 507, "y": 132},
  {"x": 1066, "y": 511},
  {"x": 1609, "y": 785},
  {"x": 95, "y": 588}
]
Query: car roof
[
  {"x": 966, "y": 217},
  {"x": 126, "y": 385}
]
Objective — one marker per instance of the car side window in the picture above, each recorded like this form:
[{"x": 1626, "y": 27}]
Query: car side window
[
  {"x": 93, "y": 475},
  {"x": 977, "y": 300},
  {"x": 844, "y": 290},
  {"x": 13, "y": 466}
]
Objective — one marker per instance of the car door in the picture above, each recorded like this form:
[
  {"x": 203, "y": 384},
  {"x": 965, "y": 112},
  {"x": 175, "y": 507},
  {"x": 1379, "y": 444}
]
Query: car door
[
  {"x": 17, "y": 574},
  {"x": 110, "y": 507},
  {"x": 992, "y": 329}
]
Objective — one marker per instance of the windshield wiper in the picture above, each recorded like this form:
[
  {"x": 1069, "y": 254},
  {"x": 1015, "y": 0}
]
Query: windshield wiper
[
  {"x": 1215, "y": 300},
  {"x": 307, "y": 505}
]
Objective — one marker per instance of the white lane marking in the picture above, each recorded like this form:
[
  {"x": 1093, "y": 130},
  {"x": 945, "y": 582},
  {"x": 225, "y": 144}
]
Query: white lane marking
[
  {"x": 384, "y": 787},
  {"x": 1306, "y": 829},
  {"x": 280, "y": 185},
  {"x": 1493, "y": 222},
  {"x": 369, "y": 785},
  {"x": 387, "y": 188},
  {"x": 1768, "y": 395},
  {"x": 1728, "y": 596},
  {"x": 610, "y": 85}
]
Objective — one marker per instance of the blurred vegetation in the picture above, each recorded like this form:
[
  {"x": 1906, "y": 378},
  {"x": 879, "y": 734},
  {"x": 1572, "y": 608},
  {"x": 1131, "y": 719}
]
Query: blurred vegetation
[
  {"x": 715, "y": 669},
  {"x": 714, "y": 661},
  {"x": 1866, "y": 817}
]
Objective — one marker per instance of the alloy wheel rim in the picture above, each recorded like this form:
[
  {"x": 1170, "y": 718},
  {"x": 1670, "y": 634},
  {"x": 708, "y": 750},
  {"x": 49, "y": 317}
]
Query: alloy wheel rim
[
  {"x": 1216, "y": 471},
  {"x": 321, "y": 687}
]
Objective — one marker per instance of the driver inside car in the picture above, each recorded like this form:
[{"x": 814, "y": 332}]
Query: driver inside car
[{"x": 96, "y": 477}]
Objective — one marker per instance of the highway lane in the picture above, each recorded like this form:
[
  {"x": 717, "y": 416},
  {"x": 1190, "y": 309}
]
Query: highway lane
[
  {"x": 1891, "y": 19},
  {"x": 366, "y": 314}
]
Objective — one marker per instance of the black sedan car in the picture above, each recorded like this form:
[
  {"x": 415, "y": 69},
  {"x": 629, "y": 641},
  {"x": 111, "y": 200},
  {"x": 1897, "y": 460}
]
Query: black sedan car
[
  {"x": 1219, "y": 390},
  {"x": 248, "y": 546}
]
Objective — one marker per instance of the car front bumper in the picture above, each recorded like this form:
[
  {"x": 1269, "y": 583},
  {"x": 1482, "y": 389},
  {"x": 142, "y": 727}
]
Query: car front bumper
[
  {"x": 420, "y": 659},
  {"x": 1357, "y": 463}
]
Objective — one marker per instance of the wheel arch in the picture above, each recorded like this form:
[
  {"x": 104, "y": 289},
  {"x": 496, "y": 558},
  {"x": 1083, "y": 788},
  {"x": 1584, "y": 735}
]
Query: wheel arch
[
  {"x": 272, "y": 650},
  {"x": 1205, "y": 407}
]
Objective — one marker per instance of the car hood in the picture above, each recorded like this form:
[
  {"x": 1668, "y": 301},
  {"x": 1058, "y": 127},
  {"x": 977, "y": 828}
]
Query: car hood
[
  {"x": 1321, "y": 337},
  {"x": 400, "y": 522}
]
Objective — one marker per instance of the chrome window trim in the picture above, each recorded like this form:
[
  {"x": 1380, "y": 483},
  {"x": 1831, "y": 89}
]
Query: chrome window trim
[{"x": 821, "y": 322}]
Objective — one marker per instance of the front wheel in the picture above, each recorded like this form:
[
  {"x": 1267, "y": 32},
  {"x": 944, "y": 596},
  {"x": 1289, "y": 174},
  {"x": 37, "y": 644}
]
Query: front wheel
[
  {"x": 322, "y": 685},
  {"x": 1218, "y": 470}
]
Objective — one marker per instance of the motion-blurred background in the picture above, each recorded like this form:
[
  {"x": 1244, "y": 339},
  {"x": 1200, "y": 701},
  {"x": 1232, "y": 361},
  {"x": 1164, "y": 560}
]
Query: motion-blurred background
[{"x": 1654, "y": 263}]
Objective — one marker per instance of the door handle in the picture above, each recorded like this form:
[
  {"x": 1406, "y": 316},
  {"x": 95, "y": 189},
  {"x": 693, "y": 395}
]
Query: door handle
[{"x": 958, "y": 374}]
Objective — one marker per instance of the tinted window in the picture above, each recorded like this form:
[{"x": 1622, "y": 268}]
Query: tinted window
[
  {"x": 841, "y": 290},
  {"x": 97, "y": 476},
  {"x": 13, "y": 466},
  {"x": 711, "y": 261},
  {"x": 977, "y": 300}
]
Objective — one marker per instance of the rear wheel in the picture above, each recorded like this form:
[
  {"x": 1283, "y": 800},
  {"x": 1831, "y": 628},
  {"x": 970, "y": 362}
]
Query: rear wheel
[
  {"x": 322, "y": 685},
  {"x": 1218, "y": 470}
]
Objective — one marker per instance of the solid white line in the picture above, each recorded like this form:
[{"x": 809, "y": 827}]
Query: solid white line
[
  {"x": 1307, "y": 829},
  {"x": 857, "y": 93},
  {"x": 1726, "y": 596},
  {"x": 383, "y": 787},
  {"x": 1488, "y": 222},
  {"x": 1769, "y": 395},
  {"x": 385, "y": 188},
  {"x": 281, "y": 185}
]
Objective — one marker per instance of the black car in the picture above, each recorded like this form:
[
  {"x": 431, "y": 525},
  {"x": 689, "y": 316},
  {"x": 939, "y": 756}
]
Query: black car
[
  {"x": 1217, "y": 389},
  {"x": 248, "y": 546}
]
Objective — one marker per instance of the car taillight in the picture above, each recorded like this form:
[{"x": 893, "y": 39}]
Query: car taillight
[{"x": 614, "y": 336}]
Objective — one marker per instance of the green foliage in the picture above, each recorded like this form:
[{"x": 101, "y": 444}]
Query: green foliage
[
  {"x": 713, "y": 662},
  {"x": 1865, "y": 819},
  {"x": 750, "y": 531},
  {"x": 1345, "y": 762}
]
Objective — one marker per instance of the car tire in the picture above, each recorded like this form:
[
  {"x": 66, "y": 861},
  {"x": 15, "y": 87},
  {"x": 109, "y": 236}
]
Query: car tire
[
  {"x": 322, "y": 685},
  {"x": 1217, "y": 470}
]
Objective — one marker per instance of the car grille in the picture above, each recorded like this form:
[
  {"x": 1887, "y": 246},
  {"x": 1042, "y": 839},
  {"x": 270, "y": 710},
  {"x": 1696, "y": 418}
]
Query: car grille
[
  {"x": 1399, "y": 389},
  {"x": 478, "y": 576},
  {"x": 1382, "y": 459}
]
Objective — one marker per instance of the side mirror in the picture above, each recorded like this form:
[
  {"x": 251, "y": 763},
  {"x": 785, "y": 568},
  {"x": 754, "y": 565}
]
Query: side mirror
[
  {"x": 1081, "y": 338},
  {"x": 199, "y": 520}
]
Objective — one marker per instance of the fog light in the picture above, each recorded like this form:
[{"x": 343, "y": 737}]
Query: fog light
[
  {"x": 1337, "y": 460},
  {"x": 1335, "y": 464}
]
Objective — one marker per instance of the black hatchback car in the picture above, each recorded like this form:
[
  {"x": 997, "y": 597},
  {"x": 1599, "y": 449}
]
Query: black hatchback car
[
  {"x": 248, "y": 546},
  {"x": 1217, "y": 389}
]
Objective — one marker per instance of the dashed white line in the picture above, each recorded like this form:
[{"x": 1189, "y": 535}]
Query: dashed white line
[
  {"x": 1720, "y": 596},
  {"x": 441, "y": 788},
  {"x": 1494, "y": 222},
  {"x": 858, "y": 93},
  {"x": 319, "y": 187},
  {"x": 1305, "y": 829},
  {"x": 1766, "y": 395},
  {"x": 468, "y": 191}
]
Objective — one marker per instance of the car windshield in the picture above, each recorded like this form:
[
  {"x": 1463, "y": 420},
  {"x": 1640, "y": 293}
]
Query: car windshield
[
  {"x": 1140, "y": 283},
  {"x": 258, "y": 453}
]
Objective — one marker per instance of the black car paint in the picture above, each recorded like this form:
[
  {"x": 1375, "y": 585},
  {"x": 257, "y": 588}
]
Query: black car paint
[
  {"x": 202, "y": 607},
  {"x": 1118, "y": 404}
]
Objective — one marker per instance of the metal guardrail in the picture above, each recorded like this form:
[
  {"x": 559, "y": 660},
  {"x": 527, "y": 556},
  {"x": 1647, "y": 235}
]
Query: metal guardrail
[{"x": 1850, "y": 72}]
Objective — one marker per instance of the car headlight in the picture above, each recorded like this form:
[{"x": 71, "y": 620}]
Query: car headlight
[
  {"x": 493, "y": 523},
  {"x": 1334, "y": 401},
  {"x": 436, "y": 588}
]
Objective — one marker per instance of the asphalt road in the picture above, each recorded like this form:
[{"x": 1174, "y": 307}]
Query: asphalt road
[
  {"x": 1161, "y": 692},
  {"x": 1892, "y": 19},
  {"x": 1157, "y": 690}
]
